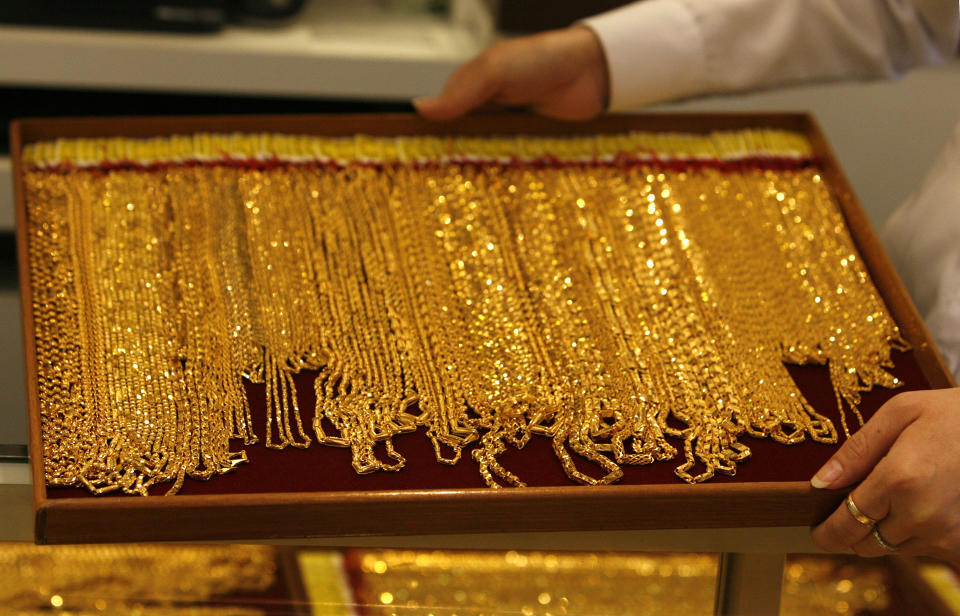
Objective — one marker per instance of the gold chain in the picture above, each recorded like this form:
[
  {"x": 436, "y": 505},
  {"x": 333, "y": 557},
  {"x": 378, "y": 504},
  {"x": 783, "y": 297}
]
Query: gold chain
[{"x": 621, "y": 308}]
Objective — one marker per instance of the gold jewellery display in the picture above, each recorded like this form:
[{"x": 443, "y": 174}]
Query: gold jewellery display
[
  {"x": 477, "y": 583},
  {"x": 421, "y": 582},
  {"x": 625, "y": 296},
  {"x": 133, "y": 579}
]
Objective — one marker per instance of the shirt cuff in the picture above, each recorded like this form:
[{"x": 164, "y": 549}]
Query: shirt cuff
[{"x": 654, "y": 50}]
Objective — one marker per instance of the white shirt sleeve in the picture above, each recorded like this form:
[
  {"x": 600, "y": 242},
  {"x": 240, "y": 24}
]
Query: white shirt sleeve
[
  {"x": 923, "y": 238},
  {"x": 660, "y": 50}
]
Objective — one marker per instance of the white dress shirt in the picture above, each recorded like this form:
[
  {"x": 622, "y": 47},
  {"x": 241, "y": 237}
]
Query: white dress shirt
[
  {"x": 660, "y": 50},
  {"x": 923, "y": 239}
]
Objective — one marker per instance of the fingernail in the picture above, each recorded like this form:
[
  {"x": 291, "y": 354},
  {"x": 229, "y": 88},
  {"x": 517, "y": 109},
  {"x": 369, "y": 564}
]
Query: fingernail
[
  {"x": 827, "y": 474},
  {"x": 420, "y": 100}
]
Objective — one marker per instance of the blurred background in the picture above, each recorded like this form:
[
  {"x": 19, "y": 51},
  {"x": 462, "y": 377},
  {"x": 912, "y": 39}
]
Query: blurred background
[
  {"x": 145, "y": 57},
  {"x": 249, "y": 580}
]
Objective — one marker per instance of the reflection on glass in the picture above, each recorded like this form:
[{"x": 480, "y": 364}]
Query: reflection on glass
[
  {"x": 828, "y": 585},
  {"x": 174, "y": 580},
  {"x": 443, "y": 583},
  {"x": 945, "y": 581},
  {"x": 326, "y": 583},
  {"x": 132, "y": 579}
]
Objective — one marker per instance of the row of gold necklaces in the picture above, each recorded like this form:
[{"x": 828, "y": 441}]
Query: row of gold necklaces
[{"x": 623, "y": 311}]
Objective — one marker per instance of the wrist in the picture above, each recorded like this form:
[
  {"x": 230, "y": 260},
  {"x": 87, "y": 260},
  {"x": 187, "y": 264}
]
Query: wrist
[{"x": 590, "y": 50}]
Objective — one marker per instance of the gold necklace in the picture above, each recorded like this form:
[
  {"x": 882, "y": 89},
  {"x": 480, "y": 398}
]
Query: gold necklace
[{"x": 622, "y": 304}]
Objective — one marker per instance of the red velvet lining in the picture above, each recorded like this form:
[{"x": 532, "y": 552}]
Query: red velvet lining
[
  {"x": 620, "y": 160},
  {"x": 328, "y": 469}
]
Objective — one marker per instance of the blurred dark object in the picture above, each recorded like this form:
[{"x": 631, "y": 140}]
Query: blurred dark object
[
  {"x": 268, "y": 8},
  {"x": 50, "y": 102},
  {"x": 13, "y": 453},
  {"x": 516, "y": 16},
  {"x": 166, "y": 15}
]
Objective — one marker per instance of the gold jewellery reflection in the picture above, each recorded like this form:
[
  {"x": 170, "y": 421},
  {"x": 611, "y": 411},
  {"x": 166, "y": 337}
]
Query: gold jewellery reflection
[
  {"x": 132, "y": 579},
  {"x": 477, "y": 583},
  {"x": 833, "y": 585},
  {"x": 419, "y": 583},
  {"x": 147, "y": 580}
]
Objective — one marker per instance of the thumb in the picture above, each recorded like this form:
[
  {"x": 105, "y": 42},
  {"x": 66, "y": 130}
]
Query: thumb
[
  {"x": 861, "y": 452},
  {"x": 439, "y": 108}
]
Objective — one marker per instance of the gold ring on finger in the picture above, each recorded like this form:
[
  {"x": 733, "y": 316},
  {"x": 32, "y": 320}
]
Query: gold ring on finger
[
  {"x": 882, "y": 542},
  {"x": 858, "y": 515}
]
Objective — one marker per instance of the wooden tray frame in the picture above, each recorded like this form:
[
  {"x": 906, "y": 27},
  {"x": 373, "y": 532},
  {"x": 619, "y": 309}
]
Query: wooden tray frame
[{"x": 573, "y": 508}]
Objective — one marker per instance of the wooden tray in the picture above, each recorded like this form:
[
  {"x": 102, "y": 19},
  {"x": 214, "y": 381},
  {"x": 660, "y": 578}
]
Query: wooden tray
[{"x": 280, "y": 495}]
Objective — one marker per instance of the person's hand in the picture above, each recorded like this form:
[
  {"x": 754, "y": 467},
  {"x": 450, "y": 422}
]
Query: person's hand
[
  {"x": 560, "y": 74},
  {"x": 909, "y": 453}
]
